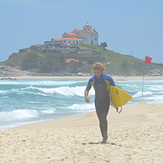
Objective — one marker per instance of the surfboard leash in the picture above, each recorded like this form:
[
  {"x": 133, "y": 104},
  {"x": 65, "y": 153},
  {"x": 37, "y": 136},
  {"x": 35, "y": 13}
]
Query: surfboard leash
[{"x": 120, "y": 110}]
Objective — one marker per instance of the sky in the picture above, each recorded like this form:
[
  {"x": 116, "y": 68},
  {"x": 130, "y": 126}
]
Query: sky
[{"x": 129, "y": 27}]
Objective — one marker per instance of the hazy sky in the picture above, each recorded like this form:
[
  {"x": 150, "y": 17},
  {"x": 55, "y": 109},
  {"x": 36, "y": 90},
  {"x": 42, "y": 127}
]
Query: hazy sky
[{"x": 132, "y": 27}]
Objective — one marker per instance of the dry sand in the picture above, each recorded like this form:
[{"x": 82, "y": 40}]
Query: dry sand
[
  {"x": 135, "y": 136},
  {"x": 116, "y": 78}
]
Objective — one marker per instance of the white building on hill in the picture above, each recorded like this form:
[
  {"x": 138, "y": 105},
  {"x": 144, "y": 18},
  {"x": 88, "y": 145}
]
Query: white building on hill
[
  {"x": 63, "y": 45},
  {"x": 85, "y": 36}
]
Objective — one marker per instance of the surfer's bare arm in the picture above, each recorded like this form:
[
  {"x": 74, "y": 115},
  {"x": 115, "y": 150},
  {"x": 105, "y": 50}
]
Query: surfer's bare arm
[{"x": 87, "y": 99}]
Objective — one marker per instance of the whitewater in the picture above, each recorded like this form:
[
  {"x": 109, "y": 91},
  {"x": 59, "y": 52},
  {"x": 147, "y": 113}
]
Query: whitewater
[{"x": 29, "y": 101}]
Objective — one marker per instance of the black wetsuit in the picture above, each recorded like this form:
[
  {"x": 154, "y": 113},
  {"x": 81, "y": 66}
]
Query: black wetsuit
[
  {"x": 102, "y": 104},
  {"x": 102, "y": 98}
]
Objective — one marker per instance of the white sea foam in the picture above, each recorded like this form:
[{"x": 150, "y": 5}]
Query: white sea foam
[
  {"x": 22, "y": 91},
  {"x": 48, "y": 111},
  {"x": 82, "y": 106},
  {"x": 33, "y": 93},
  {"x": 70, "y": 91},
  {"x": 17, "y": 115},
  {"x": 155, "y": 88},
  {"x": 64, "y": 90},
  {"x": 139, "y": 94},
  {"x": 154, "y": 99}
]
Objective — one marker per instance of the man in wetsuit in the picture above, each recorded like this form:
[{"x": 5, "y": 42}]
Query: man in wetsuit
[{"x": 101, "y": 83}]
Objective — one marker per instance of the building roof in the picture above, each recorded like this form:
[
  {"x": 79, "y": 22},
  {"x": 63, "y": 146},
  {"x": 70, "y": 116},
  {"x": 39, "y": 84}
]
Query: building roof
[
  {"x": 71, "y": 59},
  {"x": 61, "y": 39},
  {"x": 71, "y": 33},
  {"x": 86, "y": 31}
]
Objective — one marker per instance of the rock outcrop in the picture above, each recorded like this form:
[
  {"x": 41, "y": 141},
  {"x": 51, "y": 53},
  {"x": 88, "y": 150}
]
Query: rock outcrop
[{"x": 7, "y": 71}]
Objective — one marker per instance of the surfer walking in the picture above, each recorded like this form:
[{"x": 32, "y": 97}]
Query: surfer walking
[{"x": 100, "y": 83}]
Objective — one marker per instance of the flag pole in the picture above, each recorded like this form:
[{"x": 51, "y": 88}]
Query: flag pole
[
  {"x": 147, "y": 60},
  {"x": 142, "y": 87}
]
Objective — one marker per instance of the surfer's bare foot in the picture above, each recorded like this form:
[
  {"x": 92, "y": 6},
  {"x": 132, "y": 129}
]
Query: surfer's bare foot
[{"x": 105, "y": 138}]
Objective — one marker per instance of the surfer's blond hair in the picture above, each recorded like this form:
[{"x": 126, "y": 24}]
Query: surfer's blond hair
[{"x": 98, "y": 66}]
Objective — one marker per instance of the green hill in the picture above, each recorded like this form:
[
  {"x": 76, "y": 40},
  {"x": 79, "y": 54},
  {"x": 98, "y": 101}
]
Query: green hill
[{"x": 45, "y": 61}]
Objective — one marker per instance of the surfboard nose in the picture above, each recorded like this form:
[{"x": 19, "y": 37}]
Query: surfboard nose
[{"x": 118, "y": 96}]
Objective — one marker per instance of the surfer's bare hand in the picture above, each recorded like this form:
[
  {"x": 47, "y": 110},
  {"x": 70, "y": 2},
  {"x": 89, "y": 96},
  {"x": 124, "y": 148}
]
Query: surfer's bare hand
[{"x": 87, "y": 99}]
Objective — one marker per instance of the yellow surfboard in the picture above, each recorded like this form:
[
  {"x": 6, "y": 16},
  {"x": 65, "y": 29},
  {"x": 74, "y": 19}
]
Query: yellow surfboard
[{"x": 118, "y": 97}]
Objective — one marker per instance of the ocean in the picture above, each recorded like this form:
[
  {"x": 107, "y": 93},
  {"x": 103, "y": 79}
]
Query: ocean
[{"x": 29, "y": 101}]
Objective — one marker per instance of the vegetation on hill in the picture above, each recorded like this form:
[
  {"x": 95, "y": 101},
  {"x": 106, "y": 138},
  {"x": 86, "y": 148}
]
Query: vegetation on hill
[{"x": 45, "y": 61}]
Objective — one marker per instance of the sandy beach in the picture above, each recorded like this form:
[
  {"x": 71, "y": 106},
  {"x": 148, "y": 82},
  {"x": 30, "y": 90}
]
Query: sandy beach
[
  {"x": 135, "y": 135},
  {"x": 116, "y": 78}
]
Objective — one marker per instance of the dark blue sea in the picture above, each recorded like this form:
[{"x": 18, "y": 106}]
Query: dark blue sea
[{"x": 28, "y": 101}]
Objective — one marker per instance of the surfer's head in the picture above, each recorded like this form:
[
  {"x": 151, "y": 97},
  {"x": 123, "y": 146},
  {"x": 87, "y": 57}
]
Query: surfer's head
[
  {"x": 98, "y": 69},
  {"x": 98, "y": 66}
]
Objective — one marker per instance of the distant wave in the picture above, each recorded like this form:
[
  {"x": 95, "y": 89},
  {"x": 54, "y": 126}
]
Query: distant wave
[
  {"x": 139, "y": 94},
  {"x": 63, "y": 90},
  {"x": 39, "y": 82}
]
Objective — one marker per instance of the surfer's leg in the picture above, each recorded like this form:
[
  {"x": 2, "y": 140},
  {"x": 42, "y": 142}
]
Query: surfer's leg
[
  {"x": 101, "y": 124},
  {"x": 102, "y": 112},
  {"x": 104, "y": 125}
]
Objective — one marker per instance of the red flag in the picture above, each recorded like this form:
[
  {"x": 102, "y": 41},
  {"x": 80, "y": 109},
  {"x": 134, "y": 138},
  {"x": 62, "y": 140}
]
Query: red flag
[{"x": 148, "y": 59}]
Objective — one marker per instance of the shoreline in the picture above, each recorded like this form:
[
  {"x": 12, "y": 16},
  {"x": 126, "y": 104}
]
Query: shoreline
[
  {"x": 83, "y": 78},
  {"x": 90, "y": 118}
]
